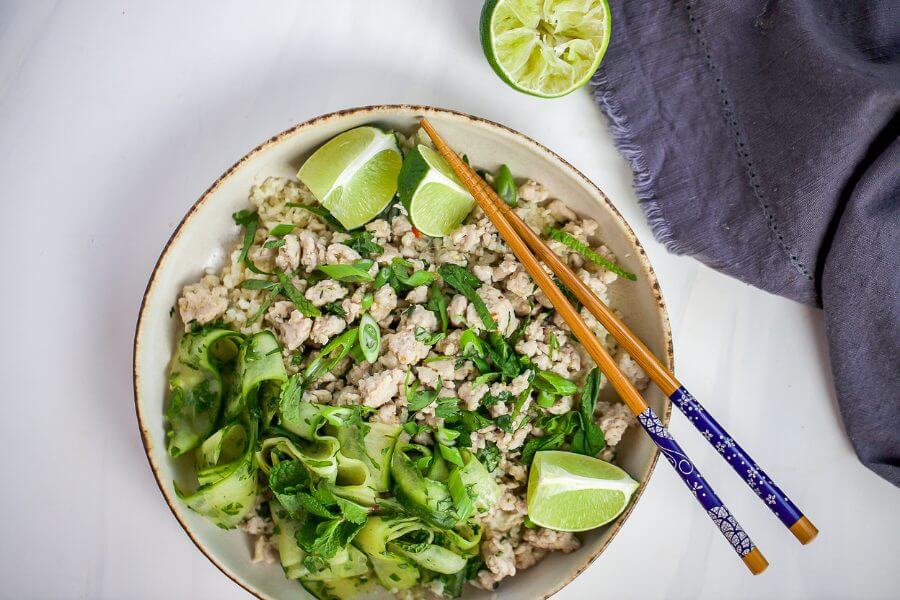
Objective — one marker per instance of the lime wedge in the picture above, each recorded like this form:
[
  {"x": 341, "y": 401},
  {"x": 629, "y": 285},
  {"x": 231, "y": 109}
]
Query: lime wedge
[
  {"x": 573, "y": 492},
  {"x": 354, "y": 174},
  {"x": 545, "y": 48},
  {"x": 435, "y": 199}
]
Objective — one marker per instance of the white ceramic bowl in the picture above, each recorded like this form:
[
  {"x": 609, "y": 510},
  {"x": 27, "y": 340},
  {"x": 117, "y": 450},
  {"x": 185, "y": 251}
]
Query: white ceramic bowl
[{"x": 207, "y": 234}]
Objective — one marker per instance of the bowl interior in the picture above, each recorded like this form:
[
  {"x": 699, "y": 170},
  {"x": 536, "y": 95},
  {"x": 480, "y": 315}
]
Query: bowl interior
[{"x": 207, "y": 235}]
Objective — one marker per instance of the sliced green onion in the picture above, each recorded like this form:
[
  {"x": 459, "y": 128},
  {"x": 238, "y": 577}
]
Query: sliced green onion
[
  {"x": 354, "y": 273},
  {"x": 369, "y": 337}
]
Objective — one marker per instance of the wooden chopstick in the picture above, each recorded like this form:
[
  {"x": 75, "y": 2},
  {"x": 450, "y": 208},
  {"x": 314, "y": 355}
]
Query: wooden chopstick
[
  {"x": 742, "y": 463},
  {"x": 695, "y": 482}
]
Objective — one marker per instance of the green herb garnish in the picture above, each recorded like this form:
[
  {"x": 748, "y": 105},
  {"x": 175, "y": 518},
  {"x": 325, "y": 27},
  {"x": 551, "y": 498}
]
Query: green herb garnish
[
  {"x": 506, "y": 186},
  {"x": 281, "y": 230},
  {"x": 467, "y": 284},
  {"x": 589, "y": 438},
  {"x": 319, "y": 211},
  {"x": 585, "y": 251}
]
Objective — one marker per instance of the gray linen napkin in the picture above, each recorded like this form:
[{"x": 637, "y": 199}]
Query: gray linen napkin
[{"x": 764, "y": 141}]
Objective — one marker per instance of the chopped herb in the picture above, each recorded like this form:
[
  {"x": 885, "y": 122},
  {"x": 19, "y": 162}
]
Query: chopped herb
[
  {"x": 281, "y": 230},
  {"x": 467, "y": 284},
  {"x": 554, "y": 384},
  {"x": 503, "y": 356},
  {"x": 570, "y": 296},
  {"x": 319, "y": 211},
  {"x": 589, "y": 438},
  {"x": 489, "y": 400},
  {"x": 331, "y": 354},
  {"x": 437, "y": 303},
  {"x": 504, "y": 422},
  {"x": 259, "y": 284},
  {"x": 335, "y": 308},
  {"x": 489, "y": 456},
  {"x": 274, "y": 244},
  {"x": 506, "y": 186},
  {"x": 585, "y": 251},
  {"x": 553, "y": 347},
  {"x": 250, "y": 222},
  {"x": 301, "y": 303},
  {"x": 363, "y": 242},
  {"x": 419, "y": 399},
  {"x": 427, "y": 337},
  {"x": 400, "y": 271},
  {"x": 447, "y": 407},
  {"x": 171, "y": 312}
]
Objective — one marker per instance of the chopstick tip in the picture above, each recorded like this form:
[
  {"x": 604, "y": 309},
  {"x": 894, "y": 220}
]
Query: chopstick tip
[
  {"x": 755, "y": 561},
  {"x": 804, "y": 530}
]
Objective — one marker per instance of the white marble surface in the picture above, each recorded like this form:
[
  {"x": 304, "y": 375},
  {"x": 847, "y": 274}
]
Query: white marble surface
[{"x": 115, "y": 116}]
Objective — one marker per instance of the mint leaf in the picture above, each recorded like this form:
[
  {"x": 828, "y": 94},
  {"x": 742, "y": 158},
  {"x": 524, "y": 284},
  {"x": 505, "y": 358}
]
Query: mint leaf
[{"x": 464, "y": 282}]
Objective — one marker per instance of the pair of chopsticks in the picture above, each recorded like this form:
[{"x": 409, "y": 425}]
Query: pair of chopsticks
[{"x": 525, "y": 244}]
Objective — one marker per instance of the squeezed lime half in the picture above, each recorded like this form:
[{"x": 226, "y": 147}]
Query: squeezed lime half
[
  {"x": 354, "y": 174},
  {"x": 573, "y": 492},
  {"x": 545, "y": 48},
  {"x": 434, "y": 197}
]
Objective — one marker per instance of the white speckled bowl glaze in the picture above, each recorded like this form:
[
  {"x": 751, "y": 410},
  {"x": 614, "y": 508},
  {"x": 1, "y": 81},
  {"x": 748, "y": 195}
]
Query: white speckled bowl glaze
[{"x": 207, "y": 234}]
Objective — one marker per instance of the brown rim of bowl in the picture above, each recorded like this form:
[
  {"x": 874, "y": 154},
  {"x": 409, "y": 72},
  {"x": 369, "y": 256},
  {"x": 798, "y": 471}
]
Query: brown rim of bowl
[{"x": 415, "y": 110}]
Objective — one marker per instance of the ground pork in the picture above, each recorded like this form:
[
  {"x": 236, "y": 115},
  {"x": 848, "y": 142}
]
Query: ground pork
[{"x": 203, "y": 302}]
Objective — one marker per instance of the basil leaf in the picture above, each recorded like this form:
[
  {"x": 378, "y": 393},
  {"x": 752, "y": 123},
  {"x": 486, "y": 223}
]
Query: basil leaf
[
  {"x": 506, "y": 186},
  {"x": 281, "y": 230},
  {"x": 535, "y": 444},
  {"x": 319, "y": 211},
  {"x": 467, "y": 284},
  {"x": 346, "y": 273},
  {"x": 586, "y": 251}
]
